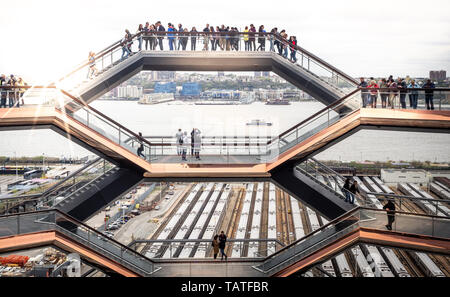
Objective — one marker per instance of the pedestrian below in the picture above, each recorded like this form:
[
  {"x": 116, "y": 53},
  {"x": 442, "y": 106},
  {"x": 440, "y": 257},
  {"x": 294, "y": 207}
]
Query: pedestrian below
[
  {"x": 390, "y": 210},
  {"x": 393, "y": 93},
  {"x": 353, "y": 190},
  {"x": 401, "y": 84},
  {"x": 180, "y": 39},
  {"x": 197, "y": 144},
  {"x": 192, "y": 141},
  {"x": 384, "y": 93},
  {"x": 184, "y": 39},
  {"x": 3, "y": 92},
  {"x": 261, "y": 39},
  {"x": 429, "y": 86},
  {"x": 179, "y": 140},
  {"x": 206, "y": 37},
  {"x": 346, "y": 190},
  {"x": 21, "y": 83},
  {"x": 93, "y": 71},
  {"x": 140, "y": 31},
  {"x": 146, "y": 36},
  {"x": 222, "y": 243},
  {"x": 364, "y": 93},
  {"x": 193, "y": 38},
  {"x": 413, "y": 94},
  {"x": 124, "y": 44},
  {"x": 160, "y": 28},
  {"x": 185, "y": 146},
  {"x": 212, "y": 38},
  {"x": 140, "y": 149},
  {"x": 251, "y": 38},
  {"x": 171, "y": 37},
  {"x": 293, "y": 44},
  {"x": 215, "y": 245},
  {"x": 373, "y": 93}
]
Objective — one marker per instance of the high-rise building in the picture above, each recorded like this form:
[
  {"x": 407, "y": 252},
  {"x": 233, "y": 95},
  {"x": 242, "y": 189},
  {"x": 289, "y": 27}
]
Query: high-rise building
[
  {"x": 266, "y": 74},
  {"x": 220, "y": 73},
  {"x": 129, "y": 92},
  {"x": 165, "y": 75},
  {"x": 257, "y": 73},
  {"x": 438, "y": 75}
]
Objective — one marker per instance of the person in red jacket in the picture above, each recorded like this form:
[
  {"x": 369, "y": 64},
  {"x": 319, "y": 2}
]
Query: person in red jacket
[
  {"x": 293, "y": 43},
  {"x": 373, "y": 93}
]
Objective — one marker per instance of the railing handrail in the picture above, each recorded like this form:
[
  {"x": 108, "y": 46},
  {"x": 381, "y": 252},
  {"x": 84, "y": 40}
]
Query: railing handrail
[
  {"x": 328, "y": 107},
  {"x": 81, "y": 224},
  {"x": 345, "y": 215}
]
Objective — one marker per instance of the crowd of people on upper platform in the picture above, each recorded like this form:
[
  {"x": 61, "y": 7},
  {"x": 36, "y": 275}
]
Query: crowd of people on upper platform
[
  {"x": 10, "y": 91},
  {"x": 398, "y": 88},
  {"x": 227, "y": 39}
]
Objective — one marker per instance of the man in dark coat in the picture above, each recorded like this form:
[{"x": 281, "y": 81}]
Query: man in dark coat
[
  {"x": 390, "y": 209},
  {"x": 222, "y": 241},
  {"x": 160, "y": 28}
]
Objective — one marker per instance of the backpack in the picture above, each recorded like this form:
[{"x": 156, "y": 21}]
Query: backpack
[{"x": 180, "y": 141}]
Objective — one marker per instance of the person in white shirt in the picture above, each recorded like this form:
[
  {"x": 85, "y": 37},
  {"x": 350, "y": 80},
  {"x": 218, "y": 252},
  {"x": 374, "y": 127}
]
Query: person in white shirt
[{"x": 178, "y": 137}]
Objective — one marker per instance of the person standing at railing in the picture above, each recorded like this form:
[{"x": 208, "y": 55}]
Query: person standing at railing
[
  {"x": 180, "y": 40},
  {"x": 140, "y": 37},
  {"x": 213, "y": 38},
  {"x": 346, "y": 190},
  {"x": 353, "y": 190},
  {"x": 197, "y": 144},
  {"x": 206, "y": 37},
  {"x": 246, "y": 43},
  {"x": 227, "y": 38},
  {"x": 277, "y": 40},
  {"x": 160, "y": 28},
  {"x": 146, "y": 35},
  {"x": 222, "y": 243},
  {"x": 21, "y": 83},
  {"x": 184, "y": 146},
  {"x": 364, "y": 93},
  {"x": 179, "y": 140},
  {"x": 429, "y": 85},
  {"x": 251, "y": 38},
  {"x": 12, "y": 91},
  {"x": 222, "y": 41},
  {"x": 272, "y": 49},
  {"x": 171, "y": 37},
  {"x": 3, "y": 92},
  {"x": 261, "y": 39},
  {"x": 383, "y": 93},
  {"x": 215, "y": 245},
  {"x": 401, "y": 84},
  {"x": 93, "y": 71},
  {"x": 234, "y": 37},
  {"x": 193, "y": 38},
  {"x": 284, "y": 44},
  {"x": 393, "y": 93},
  {"x": 184, "y": 39},
  {"x": 373, "y": 93},
  {"x": 293, "y": 43},
  {"x": 218, "y": 36},
  {"x": 152, "y": 39},
  {"x": 192, "y": 141},
  {"x": 413, "y": 94},
  {"x": 390, "y": 209}
]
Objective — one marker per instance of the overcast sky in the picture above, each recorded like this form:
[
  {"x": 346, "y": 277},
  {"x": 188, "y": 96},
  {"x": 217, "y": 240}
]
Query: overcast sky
[{"x": 44, "y": 39}]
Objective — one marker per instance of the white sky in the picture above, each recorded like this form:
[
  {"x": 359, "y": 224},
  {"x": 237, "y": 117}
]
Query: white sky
[{"x": 44, "y": 39}]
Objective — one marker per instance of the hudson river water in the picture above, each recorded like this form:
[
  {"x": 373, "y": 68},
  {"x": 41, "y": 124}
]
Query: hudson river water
[{"x": 219, "y": 120}]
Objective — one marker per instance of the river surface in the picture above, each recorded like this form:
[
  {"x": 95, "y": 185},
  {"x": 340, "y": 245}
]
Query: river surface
[{"x": 230, "y": 120}]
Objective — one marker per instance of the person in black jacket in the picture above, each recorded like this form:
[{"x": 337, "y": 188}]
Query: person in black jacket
[
  {"x": 346, "y": 190},
  {"x": 192, "y": 141},
  {"x": 3, "y": 91},
  {"x": 429, "y": 94},
  {"x": 141, "y": 146},
  {"x": 222, "y": 241},
  {"x": 160, "y": 28},
  {"x": 353, "y": 189},
  {"x": 390, "y": 209}
]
